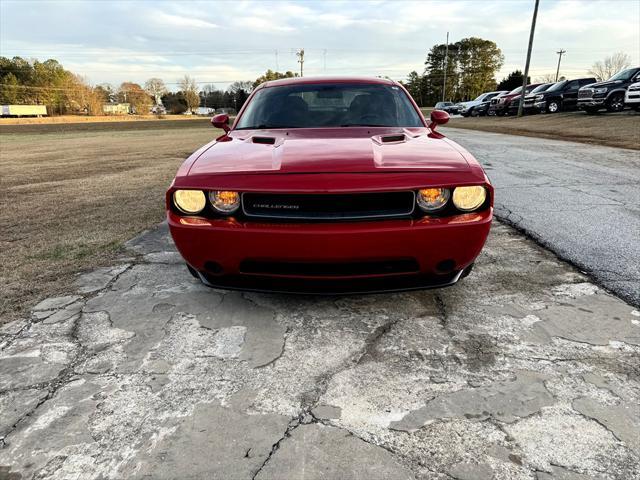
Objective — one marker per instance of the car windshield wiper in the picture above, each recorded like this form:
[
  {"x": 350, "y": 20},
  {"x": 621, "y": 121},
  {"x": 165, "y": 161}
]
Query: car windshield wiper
[{"x": 265, "y": 126}]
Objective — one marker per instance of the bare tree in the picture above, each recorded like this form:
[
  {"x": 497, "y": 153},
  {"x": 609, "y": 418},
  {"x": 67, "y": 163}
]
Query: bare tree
[
  {"x": 156, "y": 88},
  {"x": 247, "y": 86},
  {"x": 189, "y": 89},
  {"x": 546, "y": 78},
  {"x": 610, "y": 66},
  {"x": 133, "y": 94}
]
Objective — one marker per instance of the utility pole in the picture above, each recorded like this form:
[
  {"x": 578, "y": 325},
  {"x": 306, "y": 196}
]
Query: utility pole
[
  {"x": 526, "y": 66},
  {"x": 446, "y": 58},
  {"x": 300, "y": 55},
  {"x": 277, "y": 66},
  {"x": 560, "y": 53}
]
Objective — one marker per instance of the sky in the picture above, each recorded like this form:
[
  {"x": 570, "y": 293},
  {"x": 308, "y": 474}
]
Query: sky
[{"x": 223, "y": 41}]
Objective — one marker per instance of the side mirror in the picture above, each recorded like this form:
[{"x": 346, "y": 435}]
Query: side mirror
[
  {"x": 438, "y": 117},
  {"x": 221, "y": 121}
]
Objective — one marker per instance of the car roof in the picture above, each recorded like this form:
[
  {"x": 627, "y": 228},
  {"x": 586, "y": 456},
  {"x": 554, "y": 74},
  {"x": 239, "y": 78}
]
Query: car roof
[{"x": 327, "y": 79}]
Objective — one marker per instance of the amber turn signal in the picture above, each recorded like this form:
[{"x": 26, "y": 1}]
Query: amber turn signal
[
  {"x": 432, "y": 199},
  {"x": 225, "y": 201}
]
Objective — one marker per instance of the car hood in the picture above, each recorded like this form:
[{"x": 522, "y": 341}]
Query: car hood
[
  {"x": 352, "y": 150},
  {"x": 606, "y": 83},
  {"x": 470, "y": 103}
]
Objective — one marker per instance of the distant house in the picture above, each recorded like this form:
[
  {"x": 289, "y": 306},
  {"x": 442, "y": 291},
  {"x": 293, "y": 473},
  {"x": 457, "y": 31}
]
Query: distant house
[
  {"x": 116, "y": 108},
  {"x": 23, "y": 110},
  {"x": 204, "y": 111}
]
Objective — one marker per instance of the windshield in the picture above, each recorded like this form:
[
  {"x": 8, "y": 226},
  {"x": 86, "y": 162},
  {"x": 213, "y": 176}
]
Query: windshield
[
  {"x": 558, "y": 86},
  {"x": 541, "y": 88},
  {"x": 624, "y": 74},
  {"x": 514, "y": 91},
  {"x": 329, "y": 105},
  {"x": 480, "y": 97}
]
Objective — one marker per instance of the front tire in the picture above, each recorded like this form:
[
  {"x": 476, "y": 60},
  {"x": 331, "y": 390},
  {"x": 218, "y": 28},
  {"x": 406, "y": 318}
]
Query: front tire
[
  {"x": 615, "y": 103},
  {"x": 474, "y": 112},
  {"x": 554, "y": 106}
]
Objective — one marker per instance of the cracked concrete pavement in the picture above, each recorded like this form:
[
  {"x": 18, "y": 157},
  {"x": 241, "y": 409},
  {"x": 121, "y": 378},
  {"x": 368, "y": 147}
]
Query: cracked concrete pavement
[
  {"x": 581, "y": 201},
  {"x": 524, "y": 370}
]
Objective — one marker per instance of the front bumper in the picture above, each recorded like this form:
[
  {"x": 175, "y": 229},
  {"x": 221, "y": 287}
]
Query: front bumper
[
  {"x": 632, "y": 97},
  {"x": 230, "y": 245},
  {"x": 590, "y": 102}
]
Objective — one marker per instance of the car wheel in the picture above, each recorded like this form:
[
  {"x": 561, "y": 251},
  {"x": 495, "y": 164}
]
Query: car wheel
[
  {"x": 474, "y": 112},
  {"x": 553, "y": 106},
  {"x": 192, "y": 271},
  {"x": 615, "y": 103}
]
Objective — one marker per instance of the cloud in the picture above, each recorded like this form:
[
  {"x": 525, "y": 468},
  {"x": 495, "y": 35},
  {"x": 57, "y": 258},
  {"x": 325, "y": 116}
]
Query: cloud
[
  {"x": 171, "y": 20},
  {"x": 263, "y": 24},
  {"x": 387, "y": 37}
]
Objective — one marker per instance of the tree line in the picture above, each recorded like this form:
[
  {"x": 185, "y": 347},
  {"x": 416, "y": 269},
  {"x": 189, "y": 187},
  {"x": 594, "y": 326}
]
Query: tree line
[
  {"x": 467, "y": 68},
  {"x": 470, "y": 66},
  {"x": 48, "y": 83}
]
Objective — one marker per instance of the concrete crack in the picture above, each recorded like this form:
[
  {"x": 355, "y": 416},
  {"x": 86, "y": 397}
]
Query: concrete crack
[{"x": 294, "y": 423}]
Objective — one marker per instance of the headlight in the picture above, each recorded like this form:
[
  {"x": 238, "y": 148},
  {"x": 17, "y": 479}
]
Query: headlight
[
  {"x": 189, "y": 201},
  {"x": 600, "y": 90},
  {"x": 468, "y": 199},
  {"x": 224, "y": 201},
  {"x": 432, "y": 199},
  {"x": 539, "y": 97}
]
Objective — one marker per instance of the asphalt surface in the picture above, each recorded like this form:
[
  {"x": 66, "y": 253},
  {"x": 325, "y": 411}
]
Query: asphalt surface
[
  {"x": 523, "y": 371},
  {"x": 580, "y": 201}
]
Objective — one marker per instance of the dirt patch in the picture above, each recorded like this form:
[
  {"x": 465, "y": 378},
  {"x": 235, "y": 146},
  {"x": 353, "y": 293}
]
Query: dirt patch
[
  {"x": 70, "y": 198},
  {"x": 614, "y": 130}
]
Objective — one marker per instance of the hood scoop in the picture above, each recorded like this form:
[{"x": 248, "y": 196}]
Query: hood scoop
[
  {"x": 264, "y": 140},
  {"x": 393, "y": 138}
]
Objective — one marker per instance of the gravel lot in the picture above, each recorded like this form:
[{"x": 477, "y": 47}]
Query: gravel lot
[{"x": 524, "y": 370}]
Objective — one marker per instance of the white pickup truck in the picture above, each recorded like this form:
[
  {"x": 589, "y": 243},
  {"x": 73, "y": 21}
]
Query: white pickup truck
[{"x": 632, "y": 96}]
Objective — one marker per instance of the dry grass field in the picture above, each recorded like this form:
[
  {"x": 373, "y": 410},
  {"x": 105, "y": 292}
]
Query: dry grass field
[
  {"x": 615, "y": 130},
  {"x": 94, "y": 119},
  {"x": 71, "y": 195}
]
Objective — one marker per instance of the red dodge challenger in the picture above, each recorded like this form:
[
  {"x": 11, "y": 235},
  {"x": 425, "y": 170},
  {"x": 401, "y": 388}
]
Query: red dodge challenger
[{"x": 330, "y": 185}]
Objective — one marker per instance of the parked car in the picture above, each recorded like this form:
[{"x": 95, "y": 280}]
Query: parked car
[
  {"x": 393, "y": 204},
  {"x": 632, "y": 97},
  {"x": 500, "y": 105},
  {"x": 609, "y": 94},
  {"x": 529, "y": 99},
  {"x": 469, "y": 108},
  {"x": 449, "y": 107},
  {"x": 561, "y": 96}
]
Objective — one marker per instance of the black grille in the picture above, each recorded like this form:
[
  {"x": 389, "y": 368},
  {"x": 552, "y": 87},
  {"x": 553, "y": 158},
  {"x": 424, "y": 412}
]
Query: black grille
[
  {"x": 328, "y": 206},
  {"x": 585, "y": 93},
  {"x": 332, "y": 269}
]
